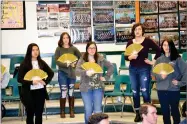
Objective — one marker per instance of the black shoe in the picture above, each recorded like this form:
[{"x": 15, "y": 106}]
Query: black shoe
[{"x": 138, "y": 118}]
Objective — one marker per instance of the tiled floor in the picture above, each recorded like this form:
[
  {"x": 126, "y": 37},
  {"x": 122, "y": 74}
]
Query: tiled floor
[{"x": 55, "y": 119}]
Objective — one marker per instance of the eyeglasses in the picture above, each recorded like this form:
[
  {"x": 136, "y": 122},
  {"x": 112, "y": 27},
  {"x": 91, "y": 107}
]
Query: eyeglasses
[{"x": 91, "y": 48}]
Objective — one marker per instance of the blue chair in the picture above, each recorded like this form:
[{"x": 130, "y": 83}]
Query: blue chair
[
  {"x": 14, "y": 96},
  {"x": 13, "y": 61}
]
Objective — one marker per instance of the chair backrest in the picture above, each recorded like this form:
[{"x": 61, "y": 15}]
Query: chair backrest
[
  {"x": 121, "y": 79},
  {"x": 15, "y": 92},
  {"x": 122, "y": 60},
  {"x": 53, "y": 62},
  {"x": 184, "y": 56},
  {"x": 115, "y": 72},
  {"x": 13, "y": 61}
]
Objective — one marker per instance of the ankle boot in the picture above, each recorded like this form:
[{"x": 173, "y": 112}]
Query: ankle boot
[
  {"x": 62, "y": 107},
  {"x": 138, "y": 118},
  {"x": 71, "y": 106}
]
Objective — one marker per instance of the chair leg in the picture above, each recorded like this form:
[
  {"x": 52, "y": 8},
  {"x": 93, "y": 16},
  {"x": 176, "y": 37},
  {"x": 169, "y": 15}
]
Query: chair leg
[
  {"x": 104, "y": 104},
  {"x": 45, "y": 110},
  {"x": 132, "y": 104},
  {"x": 123, "y": 106},
  {"x": 113, "y": 103}
]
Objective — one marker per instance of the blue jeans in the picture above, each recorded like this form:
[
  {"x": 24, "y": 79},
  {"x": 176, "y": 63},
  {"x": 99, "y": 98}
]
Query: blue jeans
[
  {"x": 169, "y": 101},
  {"x": 92, "y": 102},
  {"x": 66, "y": 84},
  {"x": 140, "y": 78}
]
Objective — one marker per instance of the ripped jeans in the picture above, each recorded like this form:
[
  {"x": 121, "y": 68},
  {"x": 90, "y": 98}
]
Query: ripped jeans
[
  {"x": 140, "y": 78},
  {"x": 66, "y": 84}
]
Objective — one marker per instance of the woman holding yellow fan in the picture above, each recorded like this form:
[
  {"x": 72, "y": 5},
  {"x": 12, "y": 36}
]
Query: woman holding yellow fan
[
  {"x": 66, "y": 56},
  {"x": 34, "y": 74},
  {"x": 89, "y": 67},
  {"x": 140, "y": 66},
  {"x": 170, "y": 72}
]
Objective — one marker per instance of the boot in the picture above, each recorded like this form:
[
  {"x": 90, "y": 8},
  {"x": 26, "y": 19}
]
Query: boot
[
  {"x": 138, "y": 118},
  {"x": 62, "y": 107},
  {"x": 71, "y": 106}
]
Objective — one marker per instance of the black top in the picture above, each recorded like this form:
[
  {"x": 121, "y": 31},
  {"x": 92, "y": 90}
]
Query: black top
[
  {"x": 143, "y": 54},
  {"x": 26, "y": 84}
]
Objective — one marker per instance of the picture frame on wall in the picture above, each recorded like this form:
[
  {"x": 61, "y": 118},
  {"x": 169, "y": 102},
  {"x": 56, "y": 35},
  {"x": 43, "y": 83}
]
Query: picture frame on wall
[
  {"x": 170, "y": 35},
  {"x": 147, "y": 7},
  {"x": 150, "y": 22},
  {"x": 123, "y": 35},
  {"x": 13, "y": 15}
]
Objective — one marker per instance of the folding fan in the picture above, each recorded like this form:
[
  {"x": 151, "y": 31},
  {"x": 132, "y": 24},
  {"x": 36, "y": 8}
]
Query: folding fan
[
  {"x": 133, "y": 49},
  {"x": 67, "y": 58},
  {"x": 35, "y": 74},
  {"x": 92, "y": 65},
  {"x": 3, "y": 69},
  {"x": 163, "y": 68}
]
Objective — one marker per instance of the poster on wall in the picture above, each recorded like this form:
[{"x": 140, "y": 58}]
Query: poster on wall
[
  {"x": 123, "y": 35},
  {"x": 168, "y": 21},
  {"x": 124, "y": 17},
  {"x": 80, "y": 4},
  {"x": 103, "y": 16},
  {"x": 80, "y": 34},
  {"x": 104, "y": 34},
  {"x": 52, "y": 19},
  {"x": 182, "y": 5},
  {"x": 168, "y": 6},
  {"x": 80, "y": 17},
  {"x": 183, "y": 21},
  {"x": 102, "y": 4},
  {"x": 150, "y": 22},
  {"x": 125, "y": 4},
  {"x": 148, "y": 7},
  {"x": 13, "y": 15}
]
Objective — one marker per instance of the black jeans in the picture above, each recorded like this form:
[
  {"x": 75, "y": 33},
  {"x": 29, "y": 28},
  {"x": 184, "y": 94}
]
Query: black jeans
[
  {"x": 35, "y": 107},
  {"x": 170, "y": 99}
]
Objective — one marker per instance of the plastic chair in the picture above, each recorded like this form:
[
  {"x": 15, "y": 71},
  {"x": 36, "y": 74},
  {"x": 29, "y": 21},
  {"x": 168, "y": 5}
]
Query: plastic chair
[
  {"x": 13, "y": 84},
  {"x": 123, "y": 63},
  {"x": 114, "y": 75},
  {"x": 13, "y": 61},
  {"x": 120, "y": 79},
  {"x": 53, "y": 64}
]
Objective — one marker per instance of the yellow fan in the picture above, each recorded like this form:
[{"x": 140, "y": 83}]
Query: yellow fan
[
  {"x": 92, "y": 65},
  {"x": 163, "y": 68},
  {"x": 35, "y": 74},
  {"x": 67, "y": 58},
  {"x": 133, "y": 49},
  {"x": 3, "y": 69}
]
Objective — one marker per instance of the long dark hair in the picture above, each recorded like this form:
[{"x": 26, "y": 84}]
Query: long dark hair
[
  {"x": 172, "y": 49},
  {"x": 85, "y": 56},
  {"x": 61, "y": 43},
  {"x": 28, "y": 57},
  {"x": 134, "y": 27}
]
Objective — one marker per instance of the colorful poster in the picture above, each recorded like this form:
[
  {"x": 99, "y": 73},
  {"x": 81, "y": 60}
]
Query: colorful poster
[
  {"x": 125, "y": 4},
  {"x": 52, "y": 19},
  {"x": 123, "y": 35},
  {"x": 170, "y": 35},
  {"x": 168, "y": 6},
  {"x": 149, "y": 7},
  {"x": 12, "y": 15}
]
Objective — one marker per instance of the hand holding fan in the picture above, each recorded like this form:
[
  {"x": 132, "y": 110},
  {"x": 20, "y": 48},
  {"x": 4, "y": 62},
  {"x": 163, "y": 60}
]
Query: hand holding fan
[
  {"x": 133, "y": 49},
  {"x": 35, "y": 74},
  {"x": 67, "y": 58},
  {"x": 163, "y": 69},
  {"x": 92, "y": 66},
  {"x": 3, "y": 69}
]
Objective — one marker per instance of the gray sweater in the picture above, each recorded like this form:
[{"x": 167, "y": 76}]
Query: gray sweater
[
  {"x": 180, "y": 74},
  {"x": 70, "y": 71},
  {"x": 84, "y": 79}
]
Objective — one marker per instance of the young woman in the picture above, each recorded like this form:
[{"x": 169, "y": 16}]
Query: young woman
[
  {"x": 33, "y": 99},
  {"x": 140, "y": 67},
  {"x": 91, "y": 85},
  {"x": 168, "y": 86},
  {"x": 66, "y": 73}
]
